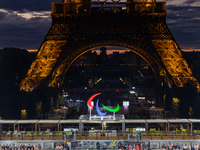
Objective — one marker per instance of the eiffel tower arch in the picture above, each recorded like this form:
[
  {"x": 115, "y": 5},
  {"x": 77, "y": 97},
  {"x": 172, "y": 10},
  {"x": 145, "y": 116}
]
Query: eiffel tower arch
[{"x": 81, "y": 25}]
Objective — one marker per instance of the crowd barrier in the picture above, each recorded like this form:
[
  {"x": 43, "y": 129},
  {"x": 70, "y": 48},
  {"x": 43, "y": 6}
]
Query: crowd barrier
[{"x": 91, "y": 135}]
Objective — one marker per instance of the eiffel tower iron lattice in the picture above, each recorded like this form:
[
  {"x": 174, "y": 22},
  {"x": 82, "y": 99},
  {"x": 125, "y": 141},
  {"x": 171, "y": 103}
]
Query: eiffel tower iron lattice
[{"x": 82, "y": 25}]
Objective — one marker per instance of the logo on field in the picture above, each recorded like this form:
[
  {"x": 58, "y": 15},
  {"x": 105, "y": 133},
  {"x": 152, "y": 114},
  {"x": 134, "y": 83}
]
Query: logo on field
[{"x": 97, "y": 106}]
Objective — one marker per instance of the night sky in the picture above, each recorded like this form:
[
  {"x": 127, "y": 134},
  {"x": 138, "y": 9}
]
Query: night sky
[{"x": 24, "y": 23}]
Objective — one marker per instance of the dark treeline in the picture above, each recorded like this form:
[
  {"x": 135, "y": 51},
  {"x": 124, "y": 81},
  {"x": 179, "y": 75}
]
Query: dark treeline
[
  {"x": 13, "y": 67},
  {"x": 183, "y": 102}
]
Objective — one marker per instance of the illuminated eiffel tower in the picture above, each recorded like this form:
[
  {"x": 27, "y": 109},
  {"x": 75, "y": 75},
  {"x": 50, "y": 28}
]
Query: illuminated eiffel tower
[{"x": 82, "y": 25}]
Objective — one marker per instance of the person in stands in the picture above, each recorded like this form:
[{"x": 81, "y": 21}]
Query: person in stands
[
  {"x": 3, "y": 146},
  {"x": 119, "y": 146},
  {"x": 123, "y": 146},
  {"x": 126, "y": 146},
  {"x": 141, "y": 147},
  {"x": 188, "y": 147},
  {"x": 196, "y": 147},
  {"x": 167, "y": 147},
  {"x": 65, "y": 143},
  {"x": 113, "y": 144},
  {"x": 69, "y": 145},
  {"x": 177, "y": 146},
  {"x": 98, "y": 145},
  {"x": 61, "y": 147},
  {"x": 13, "y": 147},
  {"x": 58, "y": 146},
  {"x": 163, "y": 147},
  {"x": 137, "y": 147},
  {"x": 17, "y": 147},
  {"x": 170, "y": 147},
  {"x": 134, "y": 147},
  {"x": 181, "y": 147},
  {"x": 39, "y": 147},
  {"x": 29, "y": 147},
  {"x": 36, "y": 147},
  {"x": 130, "y": 147}
]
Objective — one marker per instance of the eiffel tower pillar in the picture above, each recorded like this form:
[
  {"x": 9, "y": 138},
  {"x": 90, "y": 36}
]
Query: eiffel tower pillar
[{"x": 169, "y": 51}]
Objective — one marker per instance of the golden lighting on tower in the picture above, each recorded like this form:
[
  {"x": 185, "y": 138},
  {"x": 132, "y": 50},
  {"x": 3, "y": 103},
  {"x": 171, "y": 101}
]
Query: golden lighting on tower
[{"x": 71, "y": 35}]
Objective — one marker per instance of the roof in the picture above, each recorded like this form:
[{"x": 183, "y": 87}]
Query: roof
[
  {"x": 7, "y": 121},
  {"x": 157, "y": 120},
  {"x": 70, "y": 121},
  {"x": 135, "y": 121},
  {"x": 65, "y": 121},
  {"x": 48, "y": 121},
  {"x": 113, "y": 121},
  {"x": 194, "y": 120},
  {"x": 178, "y": 120},
  {"x": 91, "y": 121},
  {"x": 27, "y": 121}
]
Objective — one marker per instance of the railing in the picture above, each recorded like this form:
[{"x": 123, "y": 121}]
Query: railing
[
  {"x": 106, "y": 7},
  {"x": 32, "y": 135},
  {"x": 92, "y": 135},
  {"x": 169, "y": 135},
  {"x": 47, "y": 135},
  {"x": 101, "y": 136}
]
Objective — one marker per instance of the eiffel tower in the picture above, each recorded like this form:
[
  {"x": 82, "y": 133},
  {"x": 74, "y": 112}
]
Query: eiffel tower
[{"x": 79, "y": 26}]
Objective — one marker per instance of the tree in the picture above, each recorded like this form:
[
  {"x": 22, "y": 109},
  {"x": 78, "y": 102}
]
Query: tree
[
  {"x": 49, "y": 97},
  {"x": 168, "y": 99},
  {"x": 42, "y": 94},
  {"x": 13, "y": 66},
  {"x": 159, "y": 95},
  {"x": 195, "y": 106},
  {"x": 186, "y": 95}
]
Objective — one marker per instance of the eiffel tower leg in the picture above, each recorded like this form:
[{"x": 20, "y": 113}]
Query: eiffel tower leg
[
  {"x": 46, "y": 58},
  {"x": 172, "y": 58}
]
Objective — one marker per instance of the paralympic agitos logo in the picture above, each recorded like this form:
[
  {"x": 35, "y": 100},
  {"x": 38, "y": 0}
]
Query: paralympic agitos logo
[{"x": 97, "y": 106}]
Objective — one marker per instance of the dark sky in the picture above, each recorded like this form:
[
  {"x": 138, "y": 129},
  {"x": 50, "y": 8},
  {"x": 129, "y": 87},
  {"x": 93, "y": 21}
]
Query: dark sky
[{"x": 24, "y": 23}]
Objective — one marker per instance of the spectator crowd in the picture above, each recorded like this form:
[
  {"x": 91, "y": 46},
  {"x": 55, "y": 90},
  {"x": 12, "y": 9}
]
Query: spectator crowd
[
  {"x": 65, "y": 146},
  {"x": 131, "y": 147},
  {"x": 19, "y": 147},
  {"x": 180, "y": 147}
]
